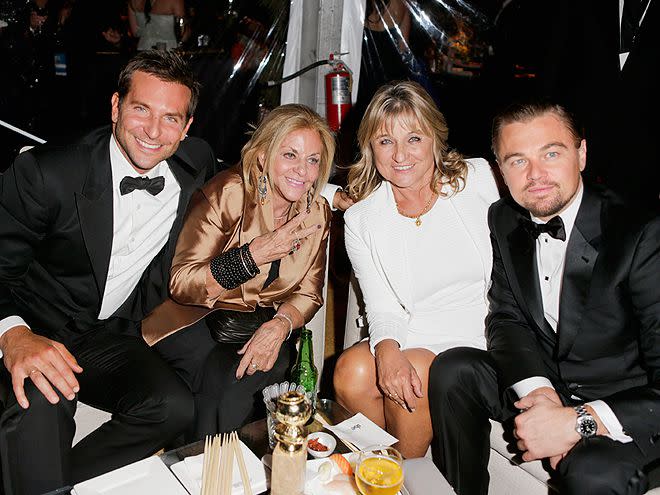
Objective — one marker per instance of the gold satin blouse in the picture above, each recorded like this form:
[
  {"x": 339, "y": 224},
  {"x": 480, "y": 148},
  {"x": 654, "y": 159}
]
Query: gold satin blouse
[{"x": 221, "y": 216}]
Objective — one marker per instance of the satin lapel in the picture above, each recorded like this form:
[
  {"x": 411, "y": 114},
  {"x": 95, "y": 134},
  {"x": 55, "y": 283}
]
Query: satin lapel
[
  {"x": 255, "y": 221},
  {"x": 94, "y": 206},
  {"x": 522, "y": 249},
  {"x": 390, "y": 247},
  {"x": 581, "y": 254},
  {"x": 185, "y": 176}
]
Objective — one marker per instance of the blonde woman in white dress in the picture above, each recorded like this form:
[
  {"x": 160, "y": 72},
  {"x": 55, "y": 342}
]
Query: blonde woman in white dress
[{"x": 418, "y": 241}]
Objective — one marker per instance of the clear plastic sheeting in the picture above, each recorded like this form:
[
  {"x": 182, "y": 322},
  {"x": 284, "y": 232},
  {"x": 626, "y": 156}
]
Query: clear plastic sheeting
[
  {"x": 61, "y": 60},
  {"x": 59, "y": 74}
]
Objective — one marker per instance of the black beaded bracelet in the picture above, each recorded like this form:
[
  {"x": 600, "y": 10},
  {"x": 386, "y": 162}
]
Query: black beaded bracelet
[{"x": 234, "y": 267}]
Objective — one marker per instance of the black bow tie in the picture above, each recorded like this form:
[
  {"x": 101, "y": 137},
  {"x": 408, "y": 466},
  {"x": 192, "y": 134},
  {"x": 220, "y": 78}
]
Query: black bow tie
[
  {"x": 554, "y": 228},
  {"x": 152, "y": 186}
]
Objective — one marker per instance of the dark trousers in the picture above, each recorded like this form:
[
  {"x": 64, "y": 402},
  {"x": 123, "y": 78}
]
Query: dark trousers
[
  {"x": 149, "y": 402},
  {"x": 222, "y": 402},
  {"x": 464, "y": 394}
]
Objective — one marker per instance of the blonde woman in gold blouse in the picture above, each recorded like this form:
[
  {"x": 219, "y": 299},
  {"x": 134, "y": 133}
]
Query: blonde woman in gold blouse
[{"x": 251, "y": 259}]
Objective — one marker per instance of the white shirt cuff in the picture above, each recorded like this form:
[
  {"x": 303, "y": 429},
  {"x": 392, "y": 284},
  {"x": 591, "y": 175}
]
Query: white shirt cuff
[
  {"x": 328, "y": 192},
  {"x": 524, "y": 387},
  {"x": 10, "y": 322},
  {"x": 610, "y": 421}
]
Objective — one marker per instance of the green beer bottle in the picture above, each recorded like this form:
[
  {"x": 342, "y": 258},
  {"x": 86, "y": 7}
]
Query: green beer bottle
[{"x": 304, "y": 372}]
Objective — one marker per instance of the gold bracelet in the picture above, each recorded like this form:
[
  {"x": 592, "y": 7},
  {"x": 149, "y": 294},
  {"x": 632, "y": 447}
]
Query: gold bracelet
[{"x": 288, "y": 320}]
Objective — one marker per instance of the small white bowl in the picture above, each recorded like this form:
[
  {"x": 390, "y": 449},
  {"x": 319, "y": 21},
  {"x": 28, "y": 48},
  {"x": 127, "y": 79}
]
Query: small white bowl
[{"x": 325, "y": 439}]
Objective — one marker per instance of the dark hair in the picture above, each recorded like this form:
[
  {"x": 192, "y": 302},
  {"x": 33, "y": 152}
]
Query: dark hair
[
  {"x": 525, "y": 111},
  {"x": 168, "y": 66}
]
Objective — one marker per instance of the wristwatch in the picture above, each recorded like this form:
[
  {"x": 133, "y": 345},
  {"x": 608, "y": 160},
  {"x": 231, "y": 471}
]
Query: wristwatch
[{"x": 585, "y": 425}]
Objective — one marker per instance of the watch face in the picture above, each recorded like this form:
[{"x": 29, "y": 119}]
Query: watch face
[{"x": 586, "y": 426}]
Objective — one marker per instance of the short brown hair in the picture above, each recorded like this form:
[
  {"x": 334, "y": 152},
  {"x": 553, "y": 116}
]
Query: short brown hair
[
  {"x": 168, "y": 66},
  {"x": 525, "y": 111}
]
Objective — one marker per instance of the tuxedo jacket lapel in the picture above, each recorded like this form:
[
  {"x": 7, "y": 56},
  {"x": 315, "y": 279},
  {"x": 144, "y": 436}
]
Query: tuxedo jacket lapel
[
  {"x": 94, "y": 206},
  {"x": 581, "y": 254},
  {"x": 522, "y": 249}
]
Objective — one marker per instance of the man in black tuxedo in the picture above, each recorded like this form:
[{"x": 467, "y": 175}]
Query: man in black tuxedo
[
  {"x": 88, "y": 233},
  {"x": 603, "y": 63},
  {"x": 573, "y": 329}
]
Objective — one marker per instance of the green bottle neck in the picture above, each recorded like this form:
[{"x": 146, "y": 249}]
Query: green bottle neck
[{"x": 306, "y": 353}]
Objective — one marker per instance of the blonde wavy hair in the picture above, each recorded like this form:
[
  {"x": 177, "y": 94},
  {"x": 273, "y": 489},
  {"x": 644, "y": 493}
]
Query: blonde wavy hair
[
  {"x": 268, "y": 137},
  {"x": 410, "y": 102}
]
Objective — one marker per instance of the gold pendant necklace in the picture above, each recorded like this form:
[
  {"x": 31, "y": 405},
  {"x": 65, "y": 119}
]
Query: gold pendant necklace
[{"x": 418, "y": 217}]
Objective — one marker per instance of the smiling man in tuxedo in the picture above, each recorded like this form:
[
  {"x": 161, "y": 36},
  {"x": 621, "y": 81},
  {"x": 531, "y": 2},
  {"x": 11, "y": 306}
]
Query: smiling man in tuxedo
[
  {"x": 573, "y": 327},
  {"x": 88, "y": 233}
]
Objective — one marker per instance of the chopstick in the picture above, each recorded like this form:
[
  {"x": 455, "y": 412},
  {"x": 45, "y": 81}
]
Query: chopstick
[
  {"x": 319, "y": 417},
  {"x": 228, "y": 455},
  {"x": 247, "y": 487},
  {"x": 218, "y": 465}
]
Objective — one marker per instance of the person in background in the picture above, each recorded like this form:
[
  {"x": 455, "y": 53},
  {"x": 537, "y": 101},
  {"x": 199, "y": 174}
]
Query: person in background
[
  {"x": 418, "y": 241},
  {"x": 153, "y": 22},
  {"x": 88, "y": 233},
  {"x": 251, "y": 260},
  {"x": 573, "y": 326}
]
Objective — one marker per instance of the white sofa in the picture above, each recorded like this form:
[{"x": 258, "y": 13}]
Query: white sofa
[{"x": 507, "y": 476}]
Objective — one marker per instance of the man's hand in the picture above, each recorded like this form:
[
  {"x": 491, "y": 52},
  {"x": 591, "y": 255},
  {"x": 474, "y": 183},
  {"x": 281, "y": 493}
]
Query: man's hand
[
  {"x": 545, "y": 428},
  {"x": 342, "y": 201},
  {"x": 548, "y": 392},
  {"x": 397, "y": 378},
  {"x": 44, "y": 361}
]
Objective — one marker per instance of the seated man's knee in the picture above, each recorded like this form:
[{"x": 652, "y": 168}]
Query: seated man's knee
[
  {"x": 169, "y": 408},
  {"x": 592, "y": 467},
  {"x": 454, "y": 370}
]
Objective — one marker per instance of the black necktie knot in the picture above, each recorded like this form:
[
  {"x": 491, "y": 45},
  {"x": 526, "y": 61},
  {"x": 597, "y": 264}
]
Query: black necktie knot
[
  {"x": 152, "y": 186},
  {"x": 554, "y": 228}
]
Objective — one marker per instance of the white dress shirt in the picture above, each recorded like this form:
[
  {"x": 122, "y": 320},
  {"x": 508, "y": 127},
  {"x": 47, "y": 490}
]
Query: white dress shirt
[
  {"x": 141, "y": 227},
  {"x": 550, "y": 262}
]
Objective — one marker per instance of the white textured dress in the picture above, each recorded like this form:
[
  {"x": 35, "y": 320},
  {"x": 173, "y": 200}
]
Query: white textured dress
[
  {"x": 159, "y": 29},
  {"x": 425, "y": 286}
]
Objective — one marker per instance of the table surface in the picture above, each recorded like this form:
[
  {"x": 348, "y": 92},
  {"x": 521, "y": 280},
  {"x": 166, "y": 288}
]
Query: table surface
[{"x": 255, "y": 436}]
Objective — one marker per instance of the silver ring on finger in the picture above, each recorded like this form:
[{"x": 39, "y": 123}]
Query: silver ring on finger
[
  {"x": 254, "y": 366},
  {"x": 33, "y": 372}
]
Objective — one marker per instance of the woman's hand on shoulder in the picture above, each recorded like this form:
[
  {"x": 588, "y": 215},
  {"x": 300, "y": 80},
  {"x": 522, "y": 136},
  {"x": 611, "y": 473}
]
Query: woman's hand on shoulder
[
  {"x": 261, "y": 351},
  {"x": 279, "y": 243},
  {"x": 397, "y": 378}
]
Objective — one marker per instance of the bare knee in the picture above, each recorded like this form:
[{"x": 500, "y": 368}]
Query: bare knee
[{"x": 354, "y": 372}]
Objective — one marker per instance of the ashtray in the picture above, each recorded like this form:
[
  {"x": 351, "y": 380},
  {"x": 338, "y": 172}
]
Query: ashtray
[{"x": 320, "y": 444}]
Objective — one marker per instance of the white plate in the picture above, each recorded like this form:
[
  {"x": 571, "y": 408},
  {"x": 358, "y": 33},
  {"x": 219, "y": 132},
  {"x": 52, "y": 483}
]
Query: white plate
[
  {"x": 189, "y": 472},
  {"x": 149, "y": 475}
]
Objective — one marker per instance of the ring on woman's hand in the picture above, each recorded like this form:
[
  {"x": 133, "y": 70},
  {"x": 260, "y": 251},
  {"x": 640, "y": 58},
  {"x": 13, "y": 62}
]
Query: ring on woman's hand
[
  {"x": 296, "y": 246},
  {"x": 33, "y": 372},
  {"x": 254, "y": 366}
]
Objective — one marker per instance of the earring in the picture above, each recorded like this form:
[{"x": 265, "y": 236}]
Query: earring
[
  {"x": 262, "y": 188},
  {"x": 309, "y": 201}
]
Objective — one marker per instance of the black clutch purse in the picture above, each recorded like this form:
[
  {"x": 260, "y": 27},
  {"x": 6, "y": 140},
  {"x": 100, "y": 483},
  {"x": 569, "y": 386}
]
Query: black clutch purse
[{"x": 237, "y": 327}]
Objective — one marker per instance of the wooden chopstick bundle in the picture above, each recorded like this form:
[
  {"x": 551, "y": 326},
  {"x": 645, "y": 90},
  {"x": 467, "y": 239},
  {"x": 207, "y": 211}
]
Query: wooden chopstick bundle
[{"x": 218, "y": 465}]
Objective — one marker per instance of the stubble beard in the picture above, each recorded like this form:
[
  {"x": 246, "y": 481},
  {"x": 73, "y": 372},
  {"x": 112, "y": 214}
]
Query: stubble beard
[{"x": 546, "y": 207}]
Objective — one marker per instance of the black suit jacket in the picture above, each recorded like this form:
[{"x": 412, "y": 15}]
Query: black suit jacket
[
  {"x": 581, "y": 70},
  {"x": 607, "y": 344},
  {"x": 56, "y": 235}
]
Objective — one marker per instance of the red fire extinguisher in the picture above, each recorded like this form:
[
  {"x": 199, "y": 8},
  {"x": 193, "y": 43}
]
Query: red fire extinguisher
[{"x": 338, "y": 84}]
